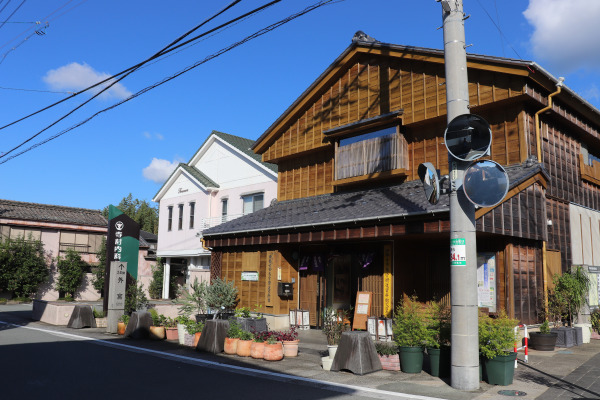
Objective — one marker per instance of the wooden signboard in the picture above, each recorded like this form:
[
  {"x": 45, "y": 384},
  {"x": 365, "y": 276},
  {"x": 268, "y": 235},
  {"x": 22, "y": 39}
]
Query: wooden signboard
[{"x": 362, "y": 310}]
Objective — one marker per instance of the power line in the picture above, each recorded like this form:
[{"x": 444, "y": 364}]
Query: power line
[
  {"x": 499, "y": 30},
  {"x": 185, "y": 70},
  {"x": 34, "y": 90},
  {"x": 114, "y": 82},
  {"x": 13, "y": 13},
  {"x": 261, "y": 8}
]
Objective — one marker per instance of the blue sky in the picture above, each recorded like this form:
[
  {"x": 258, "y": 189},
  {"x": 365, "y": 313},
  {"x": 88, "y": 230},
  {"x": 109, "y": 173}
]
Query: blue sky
[{"x": 131, "y": 148}]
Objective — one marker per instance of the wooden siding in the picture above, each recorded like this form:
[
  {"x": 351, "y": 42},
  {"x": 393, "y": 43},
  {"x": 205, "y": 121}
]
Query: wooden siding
[
  {"x": 310, "y": 175},
  {"x": 559, "y": 233},
  {"x": 523, "y": 215},
  {"x": 252, "y": 293},
  {"x": 527, "y": 281}
]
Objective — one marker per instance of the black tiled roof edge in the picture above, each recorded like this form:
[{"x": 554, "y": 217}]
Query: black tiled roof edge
[
  {"x": 395, "y": 201},
  {"x": 18, "y": 210}
]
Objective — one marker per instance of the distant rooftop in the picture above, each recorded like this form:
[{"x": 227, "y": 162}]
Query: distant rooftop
[{"x": 50, "y": 213}]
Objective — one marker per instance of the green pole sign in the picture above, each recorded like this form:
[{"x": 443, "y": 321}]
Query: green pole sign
[{"x": 458, "y": 252}]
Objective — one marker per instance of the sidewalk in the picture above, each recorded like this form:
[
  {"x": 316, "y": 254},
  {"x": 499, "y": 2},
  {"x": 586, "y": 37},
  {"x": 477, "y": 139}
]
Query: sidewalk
[{"x": 562, "y": 374}]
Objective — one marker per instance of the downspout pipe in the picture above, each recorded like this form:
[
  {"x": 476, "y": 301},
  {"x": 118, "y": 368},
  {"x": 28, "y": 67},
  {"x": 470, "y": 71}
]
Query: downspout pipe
[{"x": 538, "y": 139}]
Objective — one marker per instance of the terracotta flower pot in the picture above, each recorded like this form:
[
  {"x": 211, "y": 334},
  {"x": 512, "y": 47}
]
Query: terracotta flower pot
[
  {"x": 231, "y": 345},
  {"x": 273, "y": 352},
  {"x": 172, "y": 334},
  {"x": 257, "y": 349},
  {"x": 157, "y": 332},
  {"x": 243, "y": 348},
  {"x": 121, "y": 328},
  {"x": 197, "y": 338},
  {"x": 290, "y": 348}
]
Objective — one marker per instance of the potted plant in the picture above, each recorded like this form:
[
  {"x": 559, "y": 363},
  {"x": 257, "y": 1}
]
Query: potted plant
[
  {"x": 290, "y": 342},
  {"x": 257, "y": 348},
  {"x": 497, "y": 339},
  {"x": 244, "y": 344},
  {"x": 544, "y": 340},
  {"x": 411, "y": 334},
  {"x": 233, "y": 335},
  {"x": 194, "y": 301},
  {"x": 122, "y": 324},
  {"x": 221, "y": 296},
  {"x": 170, "y": 328},
  {"x": 101, "y": 321},
  {"x": 388, "y": 355},
  {"x": 273, "y": 349},
  {"x": 181, "y": 321},
  {"x": 194, "y": 329},
  {"x": 333, "y": 327},
  {"x": 595, "y": 320},
  {"x": 248, "y": 321},
  {"x": 438, "y": 338},
  {"x": 157, "y": 330}
]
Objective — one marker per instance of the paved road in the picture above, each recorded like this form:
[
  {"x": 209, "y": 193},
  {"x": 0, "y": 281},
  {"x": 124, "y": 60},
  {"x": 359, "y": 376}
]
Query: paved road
[{"x": 45, "y": 364}]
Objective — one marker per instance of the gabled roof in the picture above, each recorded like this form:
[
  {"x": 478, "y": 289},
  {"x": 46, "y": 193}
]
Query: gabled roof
[
  {"x": 49, "y": 213},
  {"x": 238, "y": 143},
  {"x": 147, "y": 238},
  {"x": 364, "y": 44},
  {"x": 370, "y": 205},
  {"x": 241, "y": 144}
]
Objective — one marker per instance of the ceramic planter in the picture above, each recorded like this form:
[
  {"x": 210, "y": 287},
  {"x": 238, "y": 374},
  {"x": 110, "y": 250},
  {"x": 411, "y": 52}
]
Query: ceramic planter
[
  {"x": 157, "y": 332},
  {"x": 411, "y": 359},
  {"x": 172, "y": 334},
  {"x": 181, "y": 333},
  {"x": 257, "y": 349},
  {"x": 243, "y": 348},
  {"x": 273, "y": 352},
  {"x": 121, "y": 326},
  {"x": 101, "y": 322},
  {"x": 230, "y": 345},
  {"x": 290, "y": 348},
  {"x": 542, "y": 341},
  {"x": 390, "y": 362},
  {"x": 326, "y": 361},
  {"x": 500, "y": 370},
  {"x": 332, "y": 349},
  {"x": 197, "y": 336}
]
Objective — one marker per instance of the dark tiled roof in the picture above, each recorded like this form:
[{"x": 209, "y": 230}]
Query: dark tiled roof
[
  {"x": 196, "y": 173},
  {"x": 403, "y": 200},
  {"x": 43, "y": 212},
  {"x": 244, "y": 145},
  {"x": 147, "y": 238}
]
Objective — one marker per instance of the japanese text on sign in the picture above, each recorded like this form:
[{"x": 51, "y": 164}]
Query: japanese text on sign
[{"x": 458, "y": 252}]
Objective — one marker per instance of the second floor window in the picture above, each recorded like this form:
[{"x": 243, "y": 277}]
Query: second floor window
[
  {"x": 252, "y": 203},
  {"x": 224, "y": 210},
  {"x": 170, "y": 220},
  {"x": 380, "y": 150},
  {"x": 192, "y": 211},
  {"x": 180, "y": 220}
]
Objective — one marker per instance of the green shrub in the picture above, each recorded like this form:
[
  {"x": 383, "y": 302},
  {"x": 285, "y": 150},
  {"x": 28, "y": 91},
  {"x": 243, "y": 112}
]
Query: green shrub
[
  {"x": 135, "y": 299},
  {"x": 595, "y": 319},
  {"x": 386, "y": 349},
  {"x": 193, "y": 301},
  {"x": 98, "y": 313},
  {"x": 496, "y": 335},
  {"x": 23, "y": 266},
  {"x": 410, "y": 324},
  {"x": 234, "y": 331},
  {"x": 545, "y": 327},
  {"x": 99, "y": 271},
  {"x": 71, "y": 269},
  {"x": 245, "y": 335},
  {"x": 124, "y": 318},
  {"x": 156, "y": 284},
  {"x": 193, "y": 327},
  {"x": 221, "y": 295}
]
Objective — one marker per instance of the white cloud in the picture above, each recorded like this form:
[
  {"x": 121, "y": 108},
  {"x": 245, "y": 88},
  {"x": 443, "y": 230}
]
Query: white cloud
[
  {"x": 74, "y": 77},
  {"x": 150, "y": 136},
  {"x": 565, "y": 33},
  {"x": 159, "y": 170}
]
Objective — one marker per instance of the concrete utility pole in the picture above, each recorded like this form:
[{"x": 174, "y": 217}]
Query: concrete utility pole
[{"x": 463, "y": 274}]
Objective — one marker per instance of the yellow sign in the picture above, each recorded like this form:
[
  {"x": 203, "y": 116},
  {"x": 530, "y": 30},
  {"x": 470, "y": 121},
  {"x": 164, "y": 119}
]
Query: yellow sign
[{"x": 388, "y": 303}]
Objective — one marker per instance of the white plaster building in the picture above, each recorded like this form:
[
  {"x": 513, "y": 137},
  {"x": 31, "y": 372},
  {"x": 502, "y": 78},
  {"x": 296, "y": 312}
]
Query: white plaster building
[{"x": 222, "y": 181}]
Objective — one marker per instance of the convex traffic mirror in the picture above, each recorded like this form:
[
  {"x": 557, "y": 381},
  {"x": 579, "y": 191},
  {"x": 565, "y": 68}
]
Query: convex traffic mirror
[
  {"x": 468, "y": 137},
  {"x": 485, "y": 183},
  {"x": 430, "y": 180}
]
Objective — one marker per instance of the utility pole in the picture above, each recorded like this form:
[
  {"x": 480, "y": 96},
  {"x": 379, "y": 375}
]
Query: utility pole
[{"x": 463, "y": 273}]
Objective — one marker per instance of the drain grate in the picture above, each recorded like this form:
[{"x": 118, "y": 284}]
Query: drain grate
[{"x": 512, "y": 393}]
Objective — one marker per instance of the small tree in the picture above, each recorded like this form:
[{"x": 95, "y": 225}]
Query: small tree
[
  {"x": 156, "y": 284},
  {"x": 193, "y": 302},
  {"x": 570, "y": 291},
  {"x": 221, "y": 295},
  {"x": 70, "y": 273},
  {"x": 99, "y": 271},
  {"x": 135, "y": 299},
  {"x": 23, "y": 266}
]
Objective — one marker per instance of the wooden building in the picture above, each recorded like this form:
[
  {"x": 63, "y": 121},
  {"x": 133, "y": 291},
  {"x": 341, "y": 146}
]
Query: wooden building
[{"x": 351, "y": 214}]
